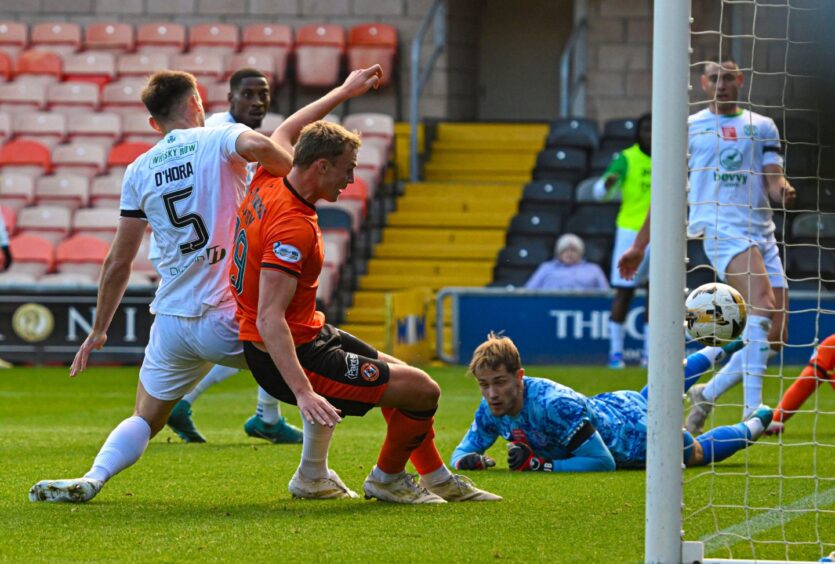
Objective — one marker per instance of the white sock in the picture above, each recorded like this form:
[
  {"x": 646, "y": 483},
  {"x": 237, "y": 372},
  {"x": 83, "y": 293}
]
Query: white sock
[
  {"x": 317, "y": 439},
  {"x": 437, "y": 477},
  {"x": 616, "y": 335},
  {"x": 215, "y": 376},
  {"x": 267, "y": 409},
  {"x": 755, "y": 426},
  {"x": 646, "y": 340},
  {"x": 728, "y": 377},
  {"x": 123, "y": 447},
  {"x": 711, "y": 353},
  {"x": 756, "y": 358},
  {"x": 384, "y": 477}
]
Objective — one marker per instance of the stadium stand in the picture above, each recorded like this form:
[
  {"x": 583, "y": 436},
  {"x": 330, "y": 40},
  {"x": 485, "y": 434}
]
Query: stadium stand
[
  {"x": 122, "y": 97},
  {"x": 72, "y": 97},
  {"x": 207, "y": 67},
  {"x": 69, "y": 191},
  {"x": 319, "y": 49},
  {"x": 81, "y": 254},
  {"x": 25, "y": 157},
  {"x": 6, "y": 67},
  {"x": 574, "y": 132},
  {"x": 275, "y": 40},
  {"x": 49, "y": 222},
  {"x": 96, "y": 222},
  {"x": 113, "y": 37},
  {"x": 14, "y": 36},
  {"x": 16, "y": 190},
  {"x": 48, "y": 129},
  {"x": 90, "y": 66},
  {"x": 370, "y": 44},
  {"x": 140, "y": 64},
  {"x": 78, "y": 157},
  {"x": 33, "y": 255},
  {"x": 22, "y": 95},
  {"x": 63, "y": 38},
  {"x": 34, "y": 65},
  {"x": 217, "y": 38},
  {"x": 161, "y": 37}
]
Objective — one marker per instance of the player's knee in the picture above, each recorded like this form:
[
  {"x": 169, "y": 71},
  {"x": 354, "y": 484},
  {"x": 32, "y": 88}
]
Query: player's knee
[{"x": 428, "y": 392}]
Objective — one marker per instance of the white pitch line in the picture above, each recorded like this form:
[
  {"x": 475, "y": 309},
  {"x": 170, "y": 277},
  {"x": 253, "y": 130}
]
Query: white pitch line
[{"x": 728, "y": 537}]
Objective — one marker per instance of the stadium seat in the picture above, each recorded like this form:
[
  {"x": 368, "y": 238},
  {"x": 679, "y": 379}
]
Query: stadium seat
[
  {"x": 319, "y": 49},
  {"x": 601, "y": 159},
  {"x": 101, "y": 128},
  {"x": 11, "y": 278},
  {"x": 561, "y": 164},
  {"x": 370, "y": 44},
  {"x": 27, "y": 157},
  {"x": 574, "y": 132},
  {"x": 599, "y": 251},
  {"x": 125, "y": 153},
  {"x": 333, "y": 218},
  {"x": 16, "y": 190},
  {"x": 122, "y": 97},
  {"x": 136, "y": 128},
  {"x": 371, "y": 158},
  {"x": 90, "y": 66},
  {"x": 371, "y": 125},
  {"x": 593, "y": 220},
  {"x": 14, "y": 37},
  {"x": 544, "y": 194},
  {"x": 46, "y": 128},
  {"x": 96, "y": 222},
  {"x": 217, "y": 98},
  {"x": 140, "y": 65},
  {"x": 161, "y": 37},
  {"x": 219, "y": 38},
  {"x": 357, "y": 190},
  {"x": 813, "y": 228},
  {"x": 585, "y": 191},
  {"x": 66, "y": 280},
  {"x": 9, "y": 216},
  {"x": 106, "y": 191},
  {"x": 810, "y": 262},
  {"x": 87, "y": 159},
  {"x": 6, "y": 67},
  {"x": 270, "y": 123},
  {"x": 69, "y": 191},
  {"x": 524, "y": 256},
  {"x": 33, "y": 255},
  {"x": 328, "y": 278},
  {"x": 506, "y": 277},
  {"x": 351, "y": 207},
  {"x": 49, "y": 222},
  {"x": 6, "y": 130},
  {"x": 275, "y": 39},
  {"x": 63, "y": 38},
  {"x": 261, "y": 61},
  {"x": 205, "y": 66},
  {"x": 335, "y": 251},
  {"x": 44, "y": 67},
  {"x": 72, "y": 97},
  {"x": 546, "y": 225},
  {"x": 81, "y": 254},
  {"x": 22, "y": 96},
  {"x": 113, "y": 37},
  {"x": 623, "y": 129}
]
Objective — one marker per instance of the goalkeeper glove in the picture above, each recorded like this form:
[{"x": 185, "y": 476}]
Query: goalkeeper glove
[
  {"x": 521, "y": 458},
  {"x": 474, "y": 461}
]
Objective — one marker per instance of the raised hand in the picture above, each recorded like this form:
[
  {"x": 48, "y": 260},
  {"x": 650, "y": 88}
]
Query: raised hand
[{"x": 361, "y": 81}]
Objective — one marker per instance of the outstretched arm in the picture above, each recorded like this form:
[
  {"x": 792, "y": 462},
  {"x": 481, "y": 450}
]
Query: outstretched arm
[
  {"x": 253, "y": 147},
  {"x": 590, "y": 455},
  {"x": 469, "y": 454}
]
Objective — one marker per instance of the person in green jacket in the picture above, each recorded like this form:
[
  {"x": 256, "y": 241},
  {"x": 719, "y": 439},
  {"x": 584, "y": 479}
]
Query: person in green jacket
[{"x": 629, "y": 175}]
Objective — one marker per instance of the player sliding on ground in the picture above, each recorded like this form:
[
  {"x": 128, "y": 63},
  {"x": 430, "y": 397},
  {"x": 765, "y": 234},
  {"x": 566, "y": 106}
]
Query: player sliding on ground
[
  {"x": 821, "y": 368},
  {"x": 187, "y": 188},
  {"x": 552, "y": 428},
  {"x": 298, "y": 358}
]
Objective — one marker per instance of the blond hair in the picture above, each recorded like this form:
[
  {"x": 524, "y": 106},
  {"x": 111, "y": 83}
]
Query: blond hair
[
  {"x": 165, "y": 91},
  {"x": 496, "y": 352},
  {"x": 322, "y": 140}
]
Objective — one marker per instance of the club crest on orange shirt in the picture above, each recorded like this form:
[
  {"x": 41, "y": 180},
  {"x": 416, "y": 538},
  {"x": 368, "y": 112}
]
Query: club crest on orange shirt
[{"x": 369, "y": 372}]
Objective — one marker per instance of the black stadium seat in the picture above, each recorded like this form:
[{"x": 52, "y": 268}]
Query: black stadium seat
[
  {"x": 547, "y": 195},
  {"x": 620, "y": 129},
  {"x": 593, "y": 220},
  {"x": 515, "y": 277},
  {"x": 536, "y": 224},
  {"x": 599, "y": 251},
  {"x": 810, "y": 262},
  {"x": 524, "y": 256},
  {"x": 561, "y": 163},
  {"x": 574, "y": 132},
  {"x": 601, "y": 159}
]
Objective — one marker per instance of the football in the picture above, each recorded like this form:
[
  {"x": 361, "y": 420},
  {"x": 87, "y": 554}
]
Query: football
[{"x": 715, "y": 314}]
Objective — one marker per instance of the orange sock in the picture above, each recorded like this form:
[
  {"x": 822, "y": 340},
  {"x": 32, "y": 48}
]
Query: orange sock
[
  {"x": 797, "y": 393},
  {"x": 405, "y": 433},
  {"x": 425, "y": 458}
]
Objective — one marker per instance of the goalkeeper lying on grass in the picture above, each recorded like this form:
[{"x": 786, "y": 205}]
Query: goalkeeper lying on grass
[{"x": 552, "y": 428}]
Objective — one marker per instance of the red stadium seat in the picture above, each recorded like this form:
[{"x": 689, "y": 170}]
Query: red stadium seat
[
  {"x": 136, "y": 128},
  {"x": 41, "y": 66},
  {"x": 140, "y": 64},
  {"x": 13, "y": 37},
  {"x": 101, "y": 128},
  {"x": 357, "y": 190},
  {"x": 28, "y": 157},
  {"x": 106, "y": 191},
  {"x": 71, "y": 97},
  {"x": 96, "y": 222},
  {"x": 328, "y": 279},
  {"x": 122, "y": 97},
  {"x": 202, "y": 65},
  {"x": 113, "y": 37},
  {"x": 9, "y": 216},
  {"x": 6, "y": 130},
  {"x": 371, "y": 125},
  {"x": 274, "y": 39},
  {"x": 218, "y": 38},
  {"x": 270, "y": 123},
  {"x": 46, "y": 128},
  {"x": 370, "y": 44},
  {"x": 81, "y": 254},
  {"x": 319, "y": 50},
  {"x": 217, "y": 97},
  {"x": 263, "y": 62},
  {"x": 22, "y": 96},
  {"x": 49, "y": 222},
  {"x": 161, "y": 37},
  {"x": 125, "y": 153},
  {"x": 87, "y": 159},
  {"x": 32, "y": 254},
  {"x": 63, "y": 38},
  {"x": 66, "y": 190},
  {"x": 16, "y": 190},
  {"x": 90, "y": 66},
  {"x": 6, "y": 67}
]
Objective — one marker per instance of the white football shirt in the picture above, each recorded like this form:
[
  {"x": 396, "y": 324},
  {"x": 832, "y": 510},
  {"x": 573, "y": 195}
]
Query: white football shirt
[
  {"x": 226, "y": 118},
  {"x": 727, "y": 185},
  {"x": 189, "y": 187}
]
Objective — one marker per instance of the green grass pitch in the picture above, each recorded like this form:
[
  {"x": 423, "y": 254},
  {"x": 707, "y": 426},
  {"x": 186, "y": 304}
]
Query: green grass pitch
[{"x": 227, "y": 500}]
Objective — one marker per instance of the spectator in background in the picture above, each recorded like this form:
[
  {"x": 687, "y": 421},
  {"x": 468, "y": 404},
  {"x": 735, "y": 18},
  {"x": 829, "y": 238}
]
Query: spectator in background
[
  {"x": 630, "y": 174},
  {"x": 568, "y": 270},
  {"x": 4, "y": 245}
]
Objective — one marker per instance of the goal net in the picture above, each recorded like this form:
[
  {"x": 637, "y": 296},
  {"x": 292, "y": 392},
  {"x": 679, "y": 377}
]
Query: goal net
[{"x": 776, "y": 499}]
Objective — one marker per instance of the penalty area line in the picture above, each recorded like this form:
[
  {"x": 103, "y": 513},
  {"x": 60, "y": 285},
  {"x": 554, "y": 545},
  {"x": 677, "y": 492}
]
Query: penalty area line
[{"x": 734, "y": 534}]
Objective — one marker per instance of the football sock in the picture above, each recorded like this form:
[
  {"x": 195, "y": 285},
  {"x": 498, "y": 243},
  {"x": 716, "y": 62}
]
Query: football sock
[
  {"x": 698, "y": 363},
  {"x": 267, "y": 409},
  {"x": 728, "y": 377},
  {"x": 721, "y": 442},
  {"x": 436, "y": 477},
  {"x": 755, "y": 361},
  {"x": 616, "y": 335},
  {"x": 123, "y": 447},
  {"x": 383, "y": 477},
  {"x": 797, "y": 394},
  {"x": 425, "y": 458},
  {"x": 317, "y": 439},
  {"x": 406, "y": 430},
  {"x": 216, "y": 375}
]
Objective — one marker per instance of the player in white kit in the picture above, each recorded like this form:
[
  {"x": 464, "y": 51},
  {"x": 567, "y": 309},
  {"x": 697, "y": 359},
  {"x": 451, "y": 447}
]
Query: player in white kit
[
  {"x": 188, "y": 188},
  {"x": 736, "y": 167}
]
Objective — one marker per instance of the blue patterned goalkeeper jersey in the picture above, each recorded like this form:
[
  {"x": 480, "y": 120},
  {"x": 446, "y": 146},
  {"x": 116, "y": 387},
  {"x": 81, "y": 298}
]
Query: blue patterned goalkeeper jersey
[{"x": 551, "y": 415}]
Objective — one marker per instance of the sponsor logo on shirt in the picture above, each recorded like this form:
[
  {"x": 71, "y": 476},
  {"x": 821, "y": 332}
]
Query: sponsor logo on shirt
[
  {"x": 729, "y": 132},
  {"x": 370, "y": 373},
  {"x": 749, "y": 130},
  {"x": 731, "y": 159},
  {"x": 173, "y": 153},
  {"x": 352, "y": 364},
  {"x": 287, "y": 253}
]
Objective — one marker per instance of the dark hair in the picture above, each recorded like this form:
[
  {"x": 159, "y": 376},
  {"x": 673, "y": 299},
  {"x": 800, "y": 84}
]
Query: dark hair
[
  {"x": 644, "y": 118},
  {"x": 239, "y": 76},
  {"x": 322, "y": 140},
  {"x": 165, "y": 91}
]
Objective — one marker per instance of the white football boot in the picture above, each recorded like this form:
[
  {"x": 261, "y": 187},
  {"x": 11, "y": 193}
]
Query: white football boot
[
  {"x": 460, "y": 488},
  {"x": 700, "y": 408},
  {"x": 404, "y": 489},
  {"x": 331, "y": 487},
  {"x": 76, "y": 490}
]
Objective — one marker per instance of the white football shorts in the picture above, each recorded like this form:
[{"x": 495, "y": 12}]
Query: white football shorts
[
  {"x": 623, "y": 240},
  {"x": 181, "y": 350},
  {"x": 723, "y": 246}
]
